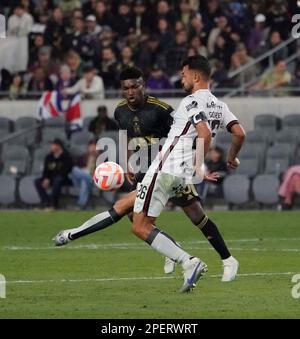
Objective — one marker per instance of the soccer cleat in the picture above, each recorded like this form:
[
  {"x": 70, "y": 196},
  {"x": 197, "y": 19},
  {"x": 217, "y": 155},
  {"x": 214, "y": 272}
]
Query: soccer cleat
[
  {"x": 193, "y": 270},
  {"x": 230, "y": 266},
  {"x": 169, "y": 266},
  {"x": 62, "y": 238}
]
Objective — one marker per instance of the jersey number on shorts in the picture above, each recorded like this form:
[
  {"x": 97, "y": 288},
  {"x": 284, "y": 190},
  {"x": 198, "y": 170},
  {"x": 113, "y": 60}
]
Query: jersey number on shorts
[{"x": 142, "y": 192}]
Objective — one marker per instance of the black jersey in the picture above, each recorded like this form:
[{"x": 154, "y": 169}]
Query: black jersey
[{"x": 153, "y": 120}]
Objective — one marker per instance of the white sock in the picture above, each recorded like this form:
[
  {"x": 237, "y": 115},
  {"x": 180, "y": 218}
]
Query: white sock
[{"x": 168, "y": 248}]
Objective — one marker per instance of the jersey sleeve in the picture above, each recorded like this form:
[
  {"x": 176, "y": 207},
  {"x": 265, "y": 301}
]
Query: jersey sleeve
[
  {"x": 117, "y": 117},
  {"x": 194, "y": 110},
  {"x": 229, "y": 119}
]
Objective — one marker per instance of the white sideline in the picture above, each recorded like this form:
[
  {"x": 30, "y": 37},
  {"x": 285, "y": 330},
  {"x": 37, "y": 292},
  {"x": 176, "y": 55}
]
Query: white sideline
[
  {"x": 141, "y": 246},
  {"x": 257, "y": 274}
]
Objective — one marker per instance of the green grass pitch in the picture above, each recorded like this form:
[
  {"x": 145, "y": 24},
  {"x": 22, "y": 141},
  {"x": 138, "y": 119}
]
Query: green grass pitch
[{"x": 112, "y": 274}]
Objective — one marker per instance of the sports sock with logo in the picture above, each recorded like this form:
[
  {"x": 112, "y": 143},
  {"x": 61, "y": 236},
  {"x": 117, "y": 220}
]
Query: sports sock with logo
[
  {"x": 96, "y": 223},
  {"x": 167, "y": 246}
]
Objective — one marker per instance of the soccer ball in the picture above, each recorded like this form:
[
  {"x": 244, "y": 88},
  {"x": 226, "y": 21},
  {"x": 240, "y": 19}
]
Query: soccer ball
[{"x": 108, "y": 176}]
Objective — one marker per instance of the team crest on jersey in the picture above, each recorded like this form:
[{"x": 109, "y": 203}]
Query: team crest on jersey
[{"x": 192, "y": 105}]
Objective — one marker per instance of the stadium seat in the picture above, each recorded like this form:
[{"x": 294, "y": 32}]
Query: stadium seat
[
  {"x": 278, "y": 159},
  {"x": 253, "y": 151},
  {"x": 267, "y": 121},
  {"x": 249, "y": 166},
  {"x": 15, "y": 160},
  {"x": 288, "y": 137},
  {"x": 291, "y": 122},
  {"x": 81, "y": 138},
  {"x": 38, "y": 160},
  {"x": 7, "y": 191},
  {"x": 27, "y": 191},
  {"x": 223, "y": 140},
  {"x": 265, "y": 189},
  {"x": 5, "y": 126},
  {"x": 86, "y": 123},
  {"x": 49, "y": 134},
  {"x": 257, "y": 137},
  {"x": 57, "y": 123},
  {"x": 236, "y": 189},
  {"x": 30, "y": 137}
]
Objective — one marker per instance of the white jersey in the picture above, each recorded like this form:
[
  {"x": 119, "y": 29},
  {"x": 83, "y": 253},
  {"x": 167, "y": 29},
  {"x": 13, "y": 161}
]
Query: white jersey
[{"x": 177, "y": 154}]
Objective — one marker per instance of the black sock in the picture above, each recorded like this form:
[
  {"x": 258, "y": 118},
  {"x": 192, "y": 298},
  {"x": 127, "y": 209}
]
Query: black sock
[
  {"x": 96, "y": 223},
  {"x": 212, "y": 234}
]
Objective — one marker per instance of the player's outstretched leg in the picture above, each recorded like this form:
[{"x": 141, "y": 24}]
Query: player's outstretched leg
[
  {"x": 193, "y": 268},
  {"x": 210, "y": 230},
  {"x": 98, "y": 222}
]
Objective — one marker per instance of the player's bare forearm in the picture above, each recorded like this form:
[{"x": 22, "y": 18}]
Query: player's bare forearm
[
  {"x": 204, "y": 133},
  {"x": 238, "y": 138}
]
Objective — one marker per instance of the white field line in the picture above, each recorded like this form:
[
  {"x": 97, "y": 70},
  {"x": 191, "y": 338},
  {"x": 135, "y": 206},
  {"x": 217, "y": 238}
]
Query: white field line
[
  {"x": 141, "y": 246},
  {"x": 51, "y": 281}
]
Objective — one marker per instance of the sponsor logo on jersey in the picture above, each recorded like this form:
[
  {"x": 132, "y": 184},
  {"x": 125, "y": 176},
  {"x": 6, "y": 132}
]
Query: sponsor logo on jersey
[{"x": 192, "y": 105}]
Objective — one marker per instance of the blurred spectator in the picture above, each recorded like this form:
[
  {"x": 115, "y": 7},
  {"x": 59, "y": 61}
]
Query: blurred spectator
[
  {"x": 275, "y": 40},
  {"x": 176, "y": 53},
  {"x": 239, "y": 58},
  {"x": 210, "y": 11},
  {"x": 102, "y": 122},
  {"x": 141, "y": 20},
  {"x": 92, "y": 28},
  {"x": 38, "y": 42},
  {"x": 258, "y": 35},
  {"x": 45, "y": 62},
  {"x": 82, "y": 174},
  {"x": 90, "y": 86},
  {"x": 55, "y": 30},
  {"x": 289, "y": 187},
  {"x": 214, "y": 163},
  {"x": 196, "y": 43},
  {"x": 39, "y": 81},
  {"x": 222, "y": 27},
  {"x": 276, "y": 78},
  {"x": 5, "y": 80},
  {"x": 164, "y": 35},
  {"x": 109, "y": 68},
  {"x": 126, "y": 58},
  {"x": 196, "y": 27},
  {"x": 57, "y": 166},
  {"x": 20, "y": 23},
  {"x": 73, "y": 60},
  {"x": 278, "y": 18},
  {"x": 124, "y": 19},
  {"x": 186, "y": 12},
  {"x": 165, "y": 12},
  {"x": 158, "y": 80},
  {"x": 104, "y": 17},
  {"x": 223, "y": 49},
  {"x": 17, "y": 88},
  {"x": 65, "y": 79},
  {"x": 68, "y": 6},
  {"x": 296, "y": 79}
]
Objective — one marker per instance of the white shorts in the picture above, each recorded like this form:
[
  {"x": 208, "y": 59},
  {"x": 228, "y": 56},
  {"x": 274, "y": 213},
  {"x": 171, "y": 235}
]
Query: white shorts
[{"x": 154, "y": 192}]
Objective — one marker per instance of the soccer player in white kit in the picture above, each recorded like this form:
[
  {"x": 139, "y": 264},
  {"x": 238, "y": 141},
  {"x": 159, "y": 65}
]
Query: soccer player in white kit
[{"x": 174, "y": 168}]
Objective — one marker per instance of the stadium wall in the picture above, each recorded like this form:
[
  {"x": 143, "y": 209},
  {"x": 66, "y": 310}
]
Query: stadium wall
[{"x": 244, "y": 108}]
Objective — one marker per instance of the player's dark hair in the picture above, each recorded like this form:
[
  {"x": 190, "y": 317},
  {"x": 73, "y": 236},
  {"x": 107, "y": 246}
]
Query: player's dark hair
[
  {"x": 131, "y": 73},
  {"x": 198, "y": 63}
]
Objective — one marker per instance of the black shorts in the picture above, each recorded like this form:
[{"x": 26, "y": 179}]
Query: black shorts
[{"x": 182, "y": 199}]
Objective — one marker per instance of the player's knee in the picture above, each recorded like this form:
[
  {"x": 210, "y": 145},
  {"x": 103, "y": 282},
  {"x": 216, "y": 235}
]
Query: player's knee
[{"x": 121, "y": 207}]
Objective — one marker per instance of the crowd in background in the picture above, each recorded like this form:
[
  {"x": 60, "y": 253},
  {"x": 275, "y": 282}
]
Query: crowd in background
[{"x": 83, "y": 45}]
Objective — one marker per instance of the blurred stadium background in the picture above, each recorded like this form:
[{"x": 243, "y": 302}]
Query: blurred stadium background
[{"x": 53, "y": 45}]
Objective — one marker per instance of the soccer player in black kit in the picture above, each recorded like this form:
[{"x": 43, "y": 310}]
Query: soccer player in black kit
[{"x": 145, "y": 117}]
